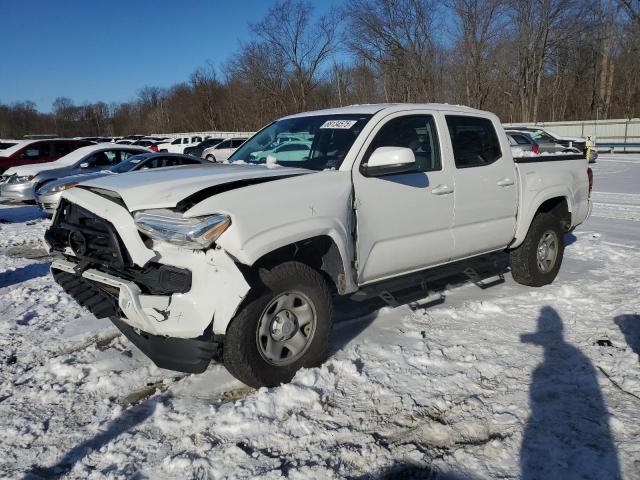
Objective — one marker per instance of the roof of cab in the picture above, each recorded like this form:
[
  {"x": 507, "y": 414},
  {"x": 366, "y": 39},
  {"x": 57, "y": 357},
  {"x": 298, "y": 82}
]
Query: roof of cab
[{"x": 371, "y": 109}]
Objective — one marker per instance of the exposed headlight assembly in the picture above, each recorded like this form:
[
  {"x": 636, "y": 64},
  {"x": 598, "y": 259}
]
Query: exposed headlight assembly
[
  {"x": 171, "y": 227},
  {"x": 55, "y": 189}
]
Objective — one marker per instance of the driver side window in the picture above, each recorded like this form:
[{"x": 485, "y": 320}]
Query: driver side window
[{"x": 417, "y": 132}]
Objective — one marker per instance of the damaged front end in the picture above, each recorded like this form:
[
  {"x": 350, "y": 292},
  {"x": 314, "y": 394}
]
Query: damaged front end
[{"x": 172, "y": 301}]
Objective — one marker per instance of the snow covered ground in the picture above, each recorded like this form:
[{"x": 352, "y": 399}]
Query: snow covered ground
[{"x": 502, "y": 382}]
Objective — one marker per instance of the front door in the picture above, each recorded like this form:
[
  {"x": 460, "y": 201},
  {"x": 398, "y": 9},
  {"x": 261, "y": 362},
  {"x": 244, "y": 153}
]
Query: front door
[{"x": 404, "y": 220}]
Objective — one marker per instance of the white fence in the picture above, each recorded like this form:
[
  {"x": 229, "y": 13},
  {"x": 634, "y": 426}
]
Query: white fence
[
  {"x": 620, "y": 135},
  {"x": 203, "y": 134}
]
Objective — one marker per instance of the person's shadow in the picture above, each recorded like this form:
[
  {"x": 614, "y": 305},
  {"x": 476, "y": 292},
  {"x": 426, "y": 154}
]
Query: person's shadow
[{"x": 567, "y": 435}]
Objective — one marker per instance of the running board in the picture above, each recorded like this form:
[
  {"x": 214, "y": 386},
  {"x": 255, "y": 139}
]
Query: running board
[{"x": 484, "y": 271}]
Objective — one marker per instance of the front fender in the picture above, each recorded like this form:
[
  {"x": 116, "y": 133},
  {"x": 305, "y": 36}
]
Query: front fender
[
  {"x": 270, "y": 215},
  {"x": 270, "y": 240}
]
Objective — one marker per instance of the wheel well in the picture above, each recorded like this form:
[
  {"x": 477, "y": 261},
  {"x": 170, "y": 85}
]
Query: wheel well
[
  {"x": 558, "y": 207},
  {"x": 320, "y": 253}
]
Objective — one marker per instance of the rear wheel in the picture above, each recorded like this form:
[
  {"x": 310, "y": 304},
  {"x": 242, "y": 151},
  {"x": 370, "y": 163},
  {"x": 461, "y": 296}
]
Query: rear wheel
[
  {"x": 284, "y": 327},
  {"x": 211, "y": 158},
  {"x": 537, "y": 260}
]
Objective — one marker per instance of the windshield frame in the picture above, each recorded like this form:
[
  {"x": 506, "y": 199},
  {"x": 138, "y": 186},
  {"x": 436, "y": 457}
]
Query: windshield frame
[{"x": 243, "y": 153}]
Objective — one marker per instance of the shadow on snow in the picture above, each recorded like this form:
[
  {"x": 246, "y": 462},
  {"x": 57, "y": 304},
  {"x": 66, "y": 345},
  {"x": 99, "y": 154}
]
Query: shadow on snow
[
  {"x": 22, "y": 274},
  {"x": 567, "y": 435}
]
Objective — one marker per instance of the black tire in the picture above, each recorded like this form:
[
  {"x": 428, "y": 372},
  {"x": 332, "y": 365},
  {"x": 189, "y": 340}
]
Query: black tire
[
  {"x": 211, "y": 158},
  {"x": 241, "y": 354},
  {"x": 523, "y": 260}
]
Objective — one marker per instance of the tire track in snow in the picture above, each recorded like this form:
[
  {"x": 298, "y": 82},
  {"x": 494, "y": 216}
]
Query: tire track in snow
[{"x": 621, "y": 206}]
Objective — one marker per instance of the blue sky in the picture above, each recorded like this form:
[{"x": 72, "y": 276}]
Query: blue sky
[{"x": 94, "y": 50}]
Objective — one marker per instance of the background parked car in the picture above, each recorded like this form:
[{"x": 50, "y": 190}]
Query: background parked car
[
  {"x": 4, "y": 144},
  {"x": 199, "y": 148},
  {"x": 520, "y": 142},
  {"x": 290, "y": 151},
  {"x": 38, "y": 151},
  {"x": 150, "y": 143},
  {"x": 21, "y": 182},
  {"x": 223, "y": 150},
  {"x": 552, "y": 142},
  {"x": 48, "y": 196},
  {"x": 179, "y": 144}
]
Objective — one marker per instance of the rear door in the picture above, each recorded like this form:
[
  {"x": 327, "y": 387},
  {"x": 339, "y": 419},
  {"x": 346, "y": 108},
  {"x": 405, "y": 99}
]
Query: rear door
[
  {"x": 404, "y": 220},
  {"x": 485, "y": 186}
]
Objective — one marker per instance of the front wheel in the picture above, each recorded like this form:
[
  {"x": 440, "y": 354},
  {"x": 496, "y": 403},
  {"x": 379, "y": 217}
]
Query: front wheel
[
  {"x": 211, "y": 158},
  {"x": 284, "y": 327},
  {"x": 537, "y": 260}
]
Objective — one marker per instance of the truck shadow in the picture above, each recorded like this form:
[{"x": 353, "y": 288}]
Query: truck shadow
[
  {"x": 22, "y": 274},
  {"x": 567, "y": 434},
  {"x": 353, "y": 315},
  {"x": 409, "y": 471},
  {"x": 20, "y": 213}
]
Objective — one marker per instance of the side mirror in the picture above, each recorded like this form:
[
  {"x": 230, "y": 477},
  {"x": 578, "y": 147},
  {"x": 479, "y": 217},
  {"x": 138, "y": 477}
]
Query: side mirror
[
  {"x": 389, "y": 161},
  {"x": 84, "y": 165}
]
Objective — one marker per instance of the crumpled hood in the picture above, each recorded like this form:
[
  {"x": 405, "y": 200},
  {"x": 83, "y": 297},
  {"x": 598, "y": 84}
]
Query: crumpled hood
[{"x": 165, "y": 187}]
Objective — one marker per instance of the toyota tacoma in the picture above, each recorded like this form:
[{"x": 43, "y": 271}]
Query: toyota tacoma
[{"x": 242, "y": 261}]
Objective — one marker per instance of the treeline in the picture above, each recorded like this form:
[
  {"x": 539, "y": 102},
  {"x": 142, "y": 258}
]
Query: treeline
[{"x": 525, "y": 60}]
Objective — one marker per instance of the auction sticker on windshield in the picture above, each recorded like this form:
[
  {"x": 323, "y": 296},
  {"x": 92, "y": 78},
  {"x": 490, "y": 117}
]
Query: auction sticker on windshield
[{"x": 343, "y": 124}]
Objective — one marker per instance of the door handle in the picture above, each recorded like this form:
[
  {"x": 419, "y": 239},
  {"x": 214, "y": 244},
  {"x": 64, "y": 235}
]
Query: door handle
[
  {"x": 505, "y": 182},
  {"x": 442, "y": 190}
]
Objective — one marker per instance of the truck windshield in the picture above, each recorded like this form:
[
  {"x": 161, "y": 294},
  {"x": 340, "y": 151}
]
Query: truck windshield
[{"x": 314, "y": 142}]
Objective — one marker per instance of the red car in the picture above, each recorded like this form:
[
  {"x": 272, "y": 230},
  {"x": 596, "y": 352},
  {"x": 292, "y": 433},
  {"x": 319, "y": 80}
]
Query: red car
[{"x": 26, "y": 152}]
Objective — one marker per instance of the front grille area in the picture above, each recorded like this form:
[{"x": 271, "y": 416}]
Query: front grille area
[
  {"x": 96, "y": 244},
  {"x": 91, "y": 238}
]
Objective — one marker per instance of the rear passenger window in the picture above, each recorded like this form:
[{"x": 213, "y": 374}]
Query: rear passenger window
[
  {"x": 474, "y": 141},
  {"x": 159, "y": 162},
  {"x": 417, "y": 132},
  {"x": 521, "y": 140},
  {"x": 37, "y": 151}
]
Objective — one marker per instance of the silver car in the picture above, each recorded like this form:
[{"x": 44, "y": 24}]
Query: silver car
[
  {"x": 20, "y": 183},
  {"x": 48, "y": 196}
]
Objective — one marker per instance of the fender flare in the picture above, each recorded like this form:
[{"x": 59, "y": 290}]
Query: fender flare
[
  {"x": 524, "y": 222},
  {"x": 280, "y": 236}
]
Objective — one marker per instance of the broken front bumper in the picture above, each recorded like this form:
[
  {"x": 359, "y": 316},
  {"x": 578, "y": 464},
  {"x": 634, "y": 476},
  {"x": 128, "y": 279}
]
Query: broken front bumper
[
  {"x": 141, "y": 311},
  {"x": 108, "y": 296},
  {"x": 111, "y": 257}
]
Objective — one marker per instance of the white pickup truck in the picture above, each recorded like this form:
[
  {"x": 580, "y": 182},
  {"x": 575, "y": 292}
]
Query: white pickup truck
[
  {"x": 177, "y": 145},
  {"x": 243, "y": 261}
]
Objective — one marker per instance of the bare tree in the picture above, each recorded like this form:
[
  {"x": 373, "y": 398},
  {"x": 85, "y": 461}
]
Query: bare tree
[
  {"x": 481, "y": 24},
  {"x": 303, "y": 46},
  {"x": 540, "y": 26},
  {"x": 396, "y": 36}
]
